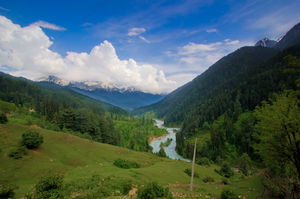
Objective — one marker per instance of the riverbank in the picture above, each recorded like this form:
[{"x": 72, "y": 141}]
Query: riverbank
[
  {"x": 153, "y": 138},
  {"x": 170, "y": 149}
]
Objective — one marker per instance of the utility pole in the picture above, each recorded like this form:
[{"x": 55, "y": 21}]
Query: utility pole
[{"x": 193, "y": 165}]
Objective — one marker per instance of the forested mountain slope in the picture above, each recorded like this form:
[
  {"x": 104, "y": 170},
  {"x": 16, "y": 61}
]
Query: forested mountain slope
[
  {"x": 203, "y": 98},
  {"x": 58, "y": 108},
  {"x": 177, "y": 104},
  {"x": 291, "y": 38},
  {"x": 22, "y": 91}
]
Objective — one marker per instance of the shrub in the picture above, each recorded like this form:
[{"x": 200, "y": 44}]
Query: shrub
[
  {"x": 32, "y": 139},
  {"x": 245, "y": 164},
  {"x": 49, "y": 187},
  {"x": 189, "y": 173},
  {"x": 18, "y": 153},
  {"x": 126, "y": 187},
  {"x": 219, "y": 161},
  {"x": 226, "y": 171},
  {"x": 225, "y": 181},
  {"x": 208, "y": 179},
  {"x": 275, "y": 190},
  {"x": 204, "y": 161},
  {"x": 228, "y": 194},
  {"x": 7, "y": 191},
  {"x": 126, "y": 164},
  {"x": 3, "y": 118},
  {"x": 153, "y": 190},
  {"x": 161, "y": 152}
]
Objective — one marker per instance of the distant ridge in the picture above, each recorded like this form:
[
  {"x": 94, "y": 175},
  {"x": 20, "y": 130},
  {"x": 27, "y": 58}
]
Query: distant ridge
[
  {"x": 126, "y": 98},
  {"x": 292, "y": 37}
]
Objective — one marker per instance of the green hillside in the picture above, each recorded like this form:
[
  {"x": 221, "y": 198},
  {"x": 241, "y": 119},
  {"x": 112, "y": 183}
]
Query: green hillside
[
  {"x": 80, "y": 159},
  {"x": 244, "y": 108},
  {"x": 175, "y": 106}
]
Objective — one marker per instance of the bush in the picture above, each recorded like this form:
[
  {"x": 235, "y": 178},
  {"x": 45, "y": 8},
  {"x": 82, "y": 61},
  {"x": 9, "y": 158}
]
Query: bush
[
  {"x": 153, "y": 190},
  {"x": 228, "y": 194},
  {"x": 49, "y": 187},
  {"x": 245, "y": 164},
  {"x": 3, "y": 118},
  {"x": 18, "y": 153},
  {"x": 204, "y": 161},
  {"x": 208, "y": 179},
  {"x": 32, "y": 139},
  {"x": 126, "y": 187},
  {"x": 161, "y": 152},
  {"x": 126, "y": 164},
  {"x": 7, "y": 191},
  {"x": 189, "y": 173},
  {"x": 225, "y": 181},
  {"x": 226, "y": 171}
]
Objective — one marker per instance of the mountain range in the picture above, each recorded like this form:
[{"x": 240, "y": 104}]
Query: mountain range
[{"x": 126, "y": 98}]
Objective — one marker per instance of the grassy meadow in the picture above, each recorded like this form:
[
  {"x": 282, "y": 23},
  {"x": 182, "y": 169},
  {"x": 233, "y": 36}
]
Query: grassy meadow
[{"x": 79, "y": 159}]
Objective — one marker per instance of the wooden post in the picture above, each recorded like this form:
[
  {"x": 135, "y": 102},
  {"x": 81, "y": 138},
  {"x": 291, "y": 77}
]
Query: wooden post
[{"x": 193, "y": 165}]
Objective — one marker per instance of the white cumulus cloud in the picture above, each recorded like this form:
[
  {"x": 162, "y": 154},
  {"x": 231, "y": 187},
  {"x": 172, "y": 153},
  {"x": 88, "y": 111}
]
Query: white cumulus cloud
[
  {"x": 136, "y": 31},
  {"x": 45, "y": 24},
  {"x": 27, "y": 51}
]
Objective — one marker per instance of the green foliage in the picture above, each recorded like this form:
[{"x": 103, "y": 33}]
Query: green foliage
[
  {"x": 209, "y": 93},
  {"x": 276, "y": 190},
  {"x": 226, "y": 171},
  {"x": 225, "y": 181},
  {"x": 31, "y": 139},
  {"x": 208, "y": 179},
  {"x": 7, "y": 191},
  {"x": 7, "y": 107},
  {"x": 49, "y": 187},
  {"x": 79, "y": 159},
  {"x": 167, "y": 143},
  {"x": 58, "y": 106},
  {"x": 245, "y": 164},
  {"x": 161, "y": 152},
  {"x": 18, "y": 153},
  {"x": 126, "y": 164},
  {"x": 135, "y": 132},
  {"x": 229, "y": 194},
  {"x": 94, "y": 126},
  {"x": 220, "y": 96},
  {"x": 126, "y": 187},
  {"x": 204, "y": 161},
  {"x": 3, "y": 118},
  {"x": 153, "y": 190},
  {"x": 188, "y": 171},
  {"x": 278, "y": 134},
  {"x": 243, "y": 132}
]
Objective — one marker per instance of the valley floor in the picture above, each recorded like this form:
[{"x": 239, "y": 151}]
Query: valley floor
[{"x": 80, "y": 160}]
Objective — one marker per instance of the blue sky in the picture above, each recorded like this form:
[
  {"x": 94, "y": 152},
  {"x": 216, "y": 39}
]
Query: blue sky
[{"x": 160, "y": 45}]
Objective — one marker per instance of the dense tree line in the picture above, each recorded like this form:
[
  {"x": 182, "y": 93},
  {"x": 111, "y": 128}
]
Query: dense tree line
[
  {"x": 135, "y": 132},
  {"x": 261, "y": 120},
  {"x": 64, "y": 108},
  {"x": 229, "y": 114}
]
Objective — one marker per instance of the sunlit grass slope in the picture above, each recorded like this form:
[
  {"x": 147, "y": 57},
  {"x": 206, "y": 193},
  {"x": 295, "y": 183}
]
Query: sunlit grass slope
[{"x": 79, "y": 158}]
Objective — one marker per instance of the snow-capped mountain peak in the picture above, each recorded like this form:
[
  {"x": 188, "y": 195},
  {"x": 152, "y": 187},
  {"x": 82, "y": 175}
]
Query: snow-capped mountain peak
[
  {"x": 54, "y": 79},
  {"x": 266, "y": 43},
  {"x": 87, "y": 85}
]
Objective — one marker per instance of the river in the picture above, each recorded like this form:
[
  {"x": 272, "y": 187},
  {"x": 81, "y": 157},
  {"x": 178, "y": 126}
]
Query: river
[{"x": 170, "y": 150}]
